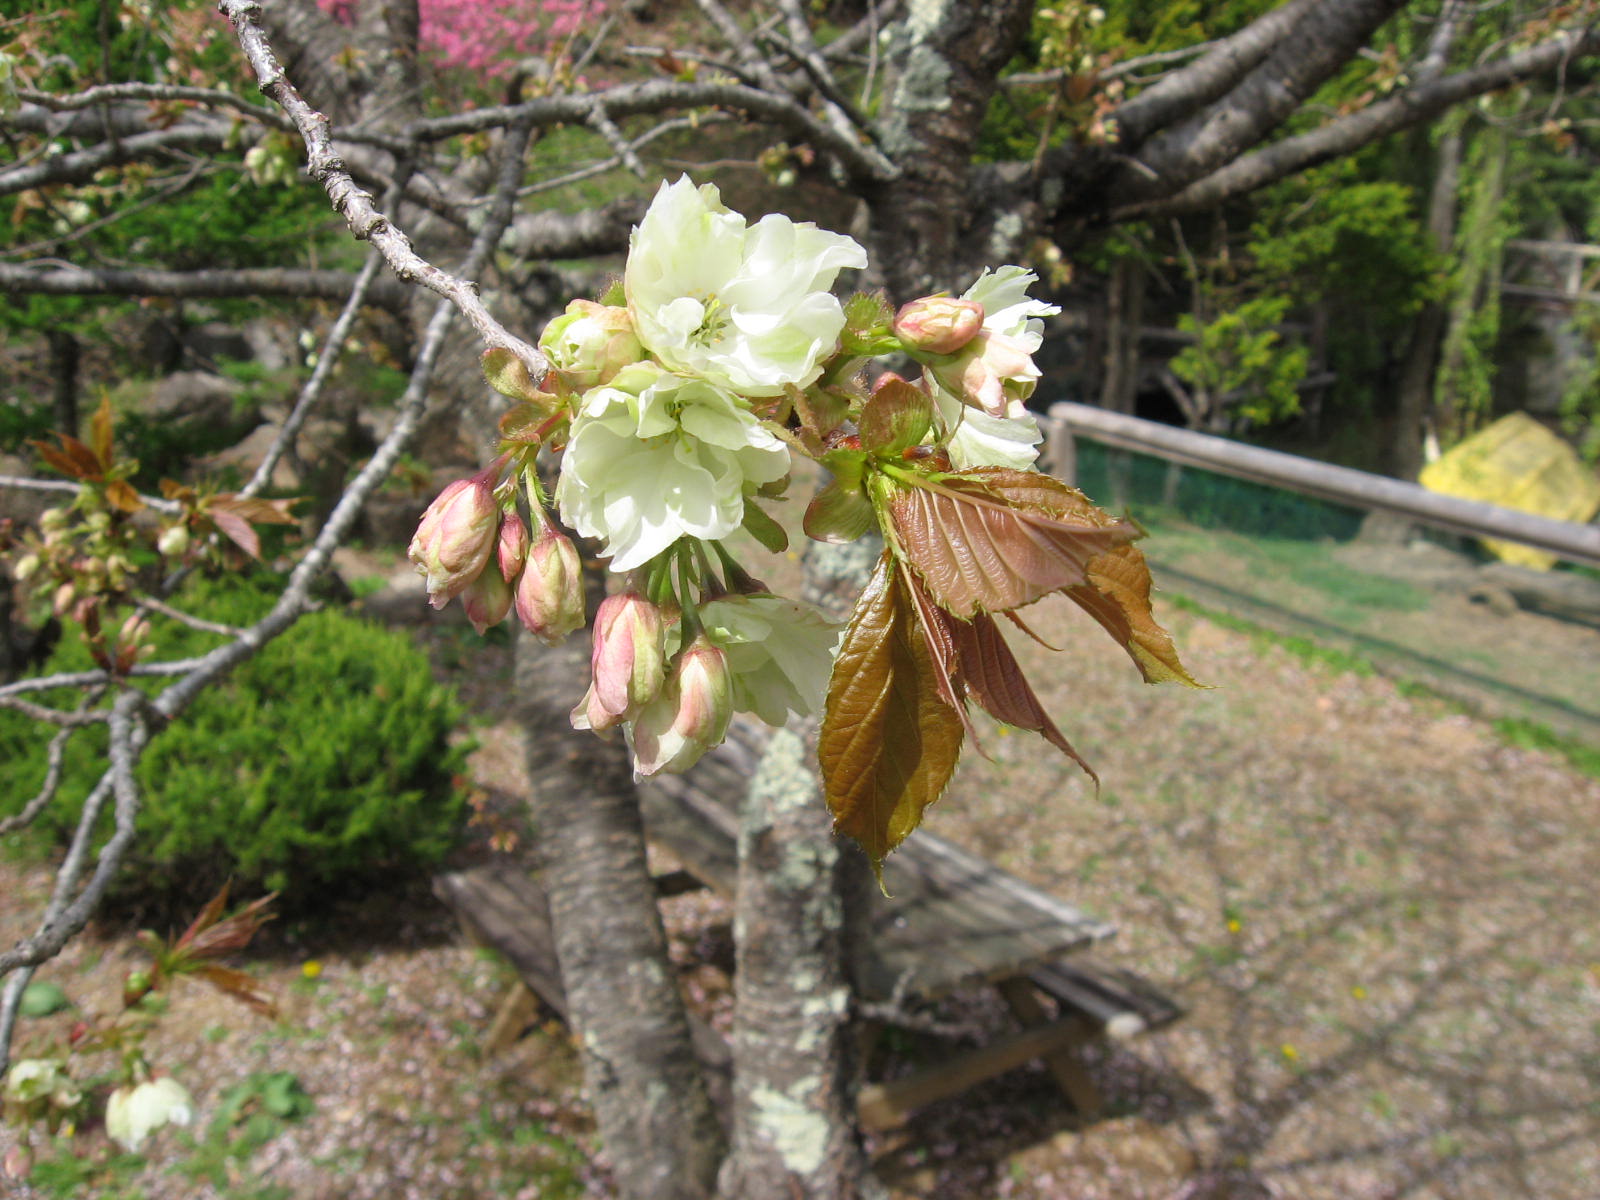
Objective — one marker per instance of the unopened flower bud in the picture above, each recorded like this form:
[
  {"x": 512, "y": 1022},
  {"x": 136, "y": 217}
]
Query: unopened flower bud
[
  {"x": 938, "y": 324},
  {"x": 591, "y": 716},
  {"x": 590, "y": 343},
  {"x": 689, "y": 716},
  {"x": 549, "y": 596},
  {"x": 487, "y": 600},
  {"x": 135, "y": 987},
  {"x": 627, "y": 662},
  {"x": 455, "y": 537},
  {"x": 174, "y": 540},
  {"x": 27, "y": 566},
  {"x": 993, "y": 372},
  {"x": 511, "y": 549},
  {"x": 53, "y": 521}
]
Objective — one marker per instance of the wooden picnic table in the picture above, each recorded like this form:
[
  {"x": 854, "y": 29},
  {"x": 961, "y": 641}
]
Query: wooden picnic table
[{"x": 950, "y": 921}]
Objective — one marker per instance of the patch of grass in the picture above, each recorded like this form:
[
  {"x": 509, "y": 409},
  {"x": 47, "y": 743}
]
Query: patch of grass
[
  {"x": 1513, "y": 731},
  {"x": 1530, "y": 735}
]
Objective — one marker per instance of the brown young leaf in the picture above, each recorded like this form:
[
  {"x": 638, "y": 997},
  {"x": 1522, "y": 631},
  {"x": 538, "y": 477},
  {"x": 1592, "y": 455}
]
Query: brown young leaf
[
  {"x": 973, "y": 662},
  {"x": 238, "y": 531},
  {"x": 889, "y": 741},
  {"x": 121, "y": 496},
  {"x": 1117, "y": 594},
  {"x": 896, "y": 416},
  {"x": 980, "y": 549},
  {"x": 73, "y": 459},
  {"x": 256, "y": 510},
  {"x": 100, "y": 429}
]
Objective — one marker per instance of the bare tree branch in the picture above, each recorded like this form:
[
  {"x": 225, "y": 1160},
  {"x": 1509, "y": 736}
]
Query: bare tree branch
[
  {"x": 1410, "y": 107},
  {"x": 297, "y": 282},
  {"x": 95, "y": 97},
  {"x": 65, "y": 916},
  {"x": 46, "y": 715},
  {"x": 79, "y": 166},
  {"x": 1325, "y": 38},
  {"x": 863, "y": 163},
  {"x": 356, "y": 205},
  {"x": 151, "y": 604},
  {"x": 55, "y": 759},
  {"x": 1227, "y": 62},
  {"x": 327, "y": 358}
]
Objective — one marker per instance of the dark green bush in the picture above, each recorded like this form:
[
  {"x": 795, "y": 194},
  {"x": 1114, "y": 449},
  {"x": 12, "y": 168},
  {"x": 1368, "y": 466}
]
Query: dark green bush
[{"x": 320, "y": 768}]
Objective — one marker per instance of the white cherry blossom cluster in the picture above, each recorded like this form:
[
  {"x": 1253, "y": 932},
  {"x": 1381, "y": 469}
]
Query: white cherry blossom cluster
[{"x": 670, "y": 410}]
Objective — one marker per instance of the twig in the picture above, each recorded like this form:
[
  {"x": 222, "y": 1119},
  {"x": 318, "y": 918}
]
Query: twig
[
  {"x": 607, "y": 129},
  {"x": 46, "y": 715},
  {"x": 55, "y": 758},
  {"x": 65, "y": 915},
  {"x": 64, "y": 487},
  {"x": 151, "y": 604},
  {"x": 332, "y": 347},
  {"x": 354, "y": 204},
  {"x": 69, "y": 909},
  {"x": 91, "y": 97}
]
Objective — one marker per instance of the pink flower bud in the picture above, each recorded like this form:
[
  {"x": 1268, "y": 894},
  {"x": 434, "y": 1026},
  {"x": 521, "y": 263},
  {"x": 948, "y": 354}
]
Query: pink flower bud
[
  {"x": 938, "y": 324},
  {"x": 627, "y": 662},
  {"x": 992, "y": 372},
  {"x": 455, "y": 537},
  {"x": 511, "y": 551},
  {"x": 689, "y": 716},
  {"x": 590, "y": 715},
  {"x": 549, "y": 596},
  {"x": 487, "y": 600}
]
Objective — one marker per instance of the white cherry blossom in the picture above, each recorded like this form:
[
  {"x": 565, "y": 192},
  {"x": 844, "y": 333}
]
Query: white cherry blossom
[
  {"x": 654, "y": 457},
  {"x": 744, "y": 306}
]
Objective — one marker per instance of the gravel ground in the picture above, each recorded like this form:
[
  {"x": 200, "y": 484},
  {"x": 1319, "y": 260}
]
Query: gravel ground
[{"x": 1381, "y": 920}]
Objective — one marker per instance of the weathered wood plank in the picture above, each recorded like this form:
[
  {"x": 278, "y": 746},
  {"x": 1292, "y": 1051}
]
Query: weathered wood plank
[{"x": 884, "y": 1105}]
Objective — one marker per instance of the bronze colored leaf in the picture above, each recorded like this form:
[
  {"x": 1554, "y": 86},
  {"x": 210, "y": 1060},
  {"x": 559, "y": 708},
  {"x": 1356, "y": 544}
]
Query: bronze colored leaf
[
  {"x": 238, "y": 530},
  {"x": 257, "y": 510},
  {"x": 100, "y": 426},
  {"x": 889, "y": 742},
  {"x": 839, "y": 513},
  {"x": 895, "y": 418},
  {"x": 1117, "y": 594},
  {"x": 973, "y": 662},
  {"x": 979, "y": 550},
  {"x": 73, "y": 459},
  {"x": 121, "y": 496}
]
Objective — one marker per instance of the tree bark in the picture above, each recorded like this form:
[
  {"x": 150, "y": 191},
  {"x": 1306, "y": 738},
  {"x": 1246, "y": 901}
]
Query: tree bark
[
  {"x": 1325, "y": 38},
  {"x": 948, "y": 56},
  {"x": 798, "y": 921},
  {"x": 1423, "y": 351},
  {"x": 1124, "y": 313},
  {"x": 640, "y": 1072},
  {"x": 64, "y": 354}
]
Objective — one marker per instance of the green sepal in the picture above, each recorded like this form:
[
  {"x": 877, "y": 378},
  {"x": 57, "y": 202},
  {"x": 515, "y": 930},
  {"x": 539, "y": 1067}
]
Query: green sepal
[{"x": 758, "y": 523}]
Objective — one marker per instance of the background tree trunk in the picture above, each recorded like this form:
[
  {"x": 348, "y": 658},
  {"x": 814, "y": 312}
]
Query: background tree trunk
[
  {"x": 640, "y": 1072},
  {"x": 1423, "y": 351}
]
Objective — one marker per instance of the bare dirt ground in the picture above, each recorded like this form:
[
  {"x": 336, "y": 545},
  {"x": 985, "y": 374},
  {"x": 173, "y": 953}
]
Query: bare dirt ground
[{"x": 1381, "y": 918}]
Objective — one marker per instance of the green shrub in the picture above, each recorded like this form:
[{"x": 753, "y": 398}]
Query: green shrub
[{"x": 319, "y": 768}]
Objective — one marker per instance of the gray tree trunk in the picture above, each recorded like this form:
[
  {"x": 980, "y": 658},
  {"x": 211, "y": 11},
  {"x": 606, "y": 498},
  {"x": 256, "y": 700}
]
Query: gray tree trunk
[
  {"x": 657, "y": 1123},
  {"x": 800, "y": 900}
]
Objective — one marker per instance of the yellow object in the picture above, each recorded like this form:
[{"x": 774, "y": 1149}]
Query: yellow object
[{"x": 1518, "y": 463}]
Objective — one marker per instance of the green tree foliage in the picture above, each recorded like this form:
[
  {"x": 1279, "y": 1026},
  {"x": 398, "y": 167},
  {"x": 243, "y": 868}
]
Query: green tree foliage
[{"x": 322, "y": 765}]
